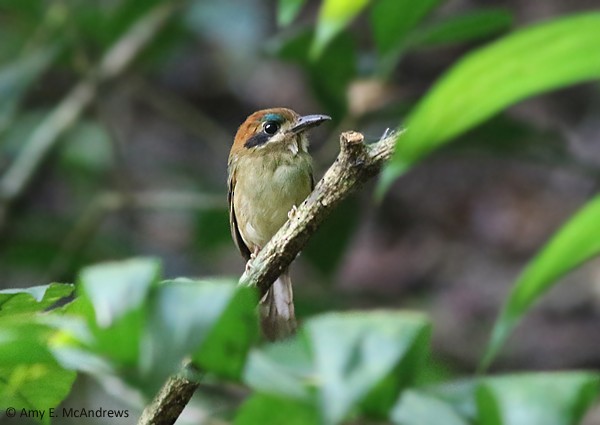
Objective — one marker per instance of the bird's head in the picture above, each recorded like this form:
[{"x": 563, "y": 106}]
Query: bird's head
[{"x": 274, "y": 127}]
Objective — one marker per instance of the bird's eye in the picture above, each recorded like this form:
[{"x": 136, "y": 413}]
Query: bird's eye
[{"x": 271, "y": 127}]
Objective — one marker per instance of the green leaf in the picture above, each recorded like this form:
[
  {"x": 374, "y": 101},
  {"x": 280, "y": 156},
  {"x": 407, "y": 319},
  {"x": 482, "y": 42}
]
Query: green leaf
[
  {"x": 459, "y": 394},
  {"x": 417, "y": 408},
  {"x": 288, "y": 10},
  {"x": 392, "y": 21},
  {"x": 30, "y": 376},
  {"x": 355, "y": 353},
  {"x": 117, "y": 288},
  {"x": 472, "y": 26},
  {"x": 334, "y": 16},
  {"x": 576, "y": 242},
  {"x": 38, "y": 386},
  {"x": 330, "y": 74},
  {"x": 492, "y": 78},
  {"x": 272, "y": 410},
  {"x": 344, "y": 362},
  {"x": 185, "y": 315},
  {"x": 226, "y": 347},
  {"x": 543, "y": 398},
  {"x": 284, "y": 369},
  {"x": 24, "y": 342},
  {"x": 33, "y": 299}
]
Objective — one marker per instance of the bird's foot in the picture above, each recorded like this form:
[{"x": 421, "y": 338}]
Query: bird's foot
[
  {"x": 292, "y": 213},
  {"x": 253, "y": 255}
]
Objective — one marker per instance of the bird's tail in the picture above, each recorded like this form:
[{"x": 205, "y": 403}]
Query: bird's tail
[{"x": 278, "y": 319}]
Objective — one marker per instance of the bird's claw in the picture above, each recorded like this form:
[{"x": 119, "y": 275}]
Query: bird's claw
[
  {"x": 253, "y": 255},
  {"x": 292, "y": 212}
]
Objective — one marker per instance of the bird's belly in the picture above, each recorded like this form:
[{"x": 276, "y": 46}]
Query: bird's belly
[{"x": 264, "y": 198}]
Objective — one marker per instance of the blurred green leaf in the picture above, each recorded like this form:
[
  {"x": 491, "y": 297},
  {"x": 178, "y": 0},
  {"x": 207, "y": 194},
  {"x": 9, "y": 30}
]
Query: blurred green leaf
[
  {"x": 416, "y": 408},
  {"x": 226, "y": 347},
  {"x": 272, "y": 410},
  {"x": 116, "y": 288},
  {"x": 577, "y": 241},
  {"x": 543, "y": 398},
  {"x": 472, "y": 26},
  {"x": 30, "y": 376},
  {"x": 87, "y": 147},
  {"x": 392, "y": 21},
  {"x": 288, "y": 10},
  {"x": 113, "y": 302},
  {"x": 488, "y": 80},
  {"x": 330, "y": 74},
  {"x": 344, "y": 362},
  {"x": 460, "y": 394},
  {"x": 24, "y": 342},
  {"x": 185, "y": 315},
  {"x": 17, "y": 76},
  {"x": 334, "y": 16},
  {"x": 38, "y": 386},
  {"x": 283, "y": 369},
  {"x": 354, "y": 353},
  {"x": 33, "y": 299}
]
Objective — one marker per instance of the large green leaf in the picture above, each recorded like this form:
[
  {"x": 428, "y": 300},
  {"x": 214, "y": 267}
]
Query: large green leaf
[
  {"x": 284, "y": 369},
  {"x": 344, "y": 363},
  {"x": 30, "y": 377},
  {"x": 38, "y": 387},
  {"x": 392, "y": 20},
  {"x": 33, "y": 299},
  {"x": 186, "y": 316},
  {"x": 417, "y": 408},
  {"x": 576, "y": 242},
  {"x": 355, "y": 354},
  {"x": 272, "y": 410},
  {"x": 112, "y": 300},
  {"x": 225, "y": 349},
  {"x": 24, "y": 342},
  {"x": 117, "y": 288},
  {"x": 536, "y": 399},
  {"x": 528, "y": 62},
  {"x": 334, "y": 16},
  {"x": 471, "y": 26}
]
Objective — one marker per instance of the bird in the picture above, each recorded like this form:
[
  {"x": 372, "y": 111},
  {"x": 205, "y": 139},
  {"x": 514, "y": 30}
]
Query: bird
[{"x": 269, "y": 175}]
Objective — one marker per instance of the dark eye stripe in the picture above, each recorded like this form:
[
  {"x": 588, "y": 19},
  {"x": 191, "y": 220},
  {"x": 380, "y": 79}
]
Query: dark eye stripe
[{"x": 257, "y": 140}]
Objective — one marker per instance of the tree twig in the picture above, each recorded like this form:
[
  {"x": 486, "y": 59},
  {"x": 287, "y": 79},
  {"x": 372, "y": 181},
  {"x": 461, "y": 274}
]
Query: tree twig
[
  {"x": 45, "y": 136},
  {"x": 356, "y": 163},
  {"x": 169, "y": 402}
]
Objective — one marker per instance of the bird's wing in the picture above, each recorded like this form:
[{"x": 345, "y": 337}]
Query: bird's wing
[{"x": 235, "y": 231}]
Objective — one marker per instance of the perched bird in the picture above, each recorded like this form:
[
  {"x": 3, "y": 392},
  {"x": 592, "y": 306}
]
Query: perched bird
[{"x": 270, "y": 173}]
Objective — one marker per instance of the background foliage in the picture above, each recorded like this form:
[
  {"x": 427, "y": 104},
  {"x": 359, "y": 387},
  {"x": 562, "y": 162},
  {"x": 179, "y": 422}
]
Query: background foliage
[{"x": 115, "y": 123}]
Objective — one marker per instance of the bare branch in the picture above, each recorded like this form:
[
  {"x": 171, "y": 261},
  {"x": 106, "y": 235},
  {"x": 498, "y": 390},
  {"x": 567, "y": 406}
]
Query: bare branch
[
  {"x": 356, "y": 163},
  {"x": 169, "y": 402}
]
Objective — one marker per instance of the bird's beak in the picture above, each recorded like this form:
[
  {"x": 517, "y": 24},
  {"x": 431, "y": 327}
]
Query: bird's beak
[{"x": 308, "y": 121}]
